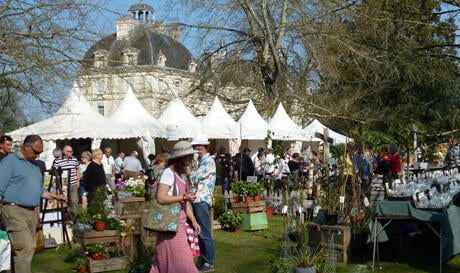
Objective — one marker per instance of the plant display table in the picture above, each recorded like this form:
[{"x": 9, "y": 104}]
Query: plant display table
[{"x": 85, "y": 238}]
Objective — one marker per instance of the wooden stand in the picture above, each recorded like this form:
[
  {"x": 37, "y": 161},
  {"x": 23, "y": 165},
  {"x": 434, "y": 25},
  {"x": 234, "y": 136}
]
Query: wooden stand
[
  {"x": 251, "y": 207},
  {"x": 94, "y": 237},
  {"x": 107, "y": 264},
  {"x": 341, "y": 237},
  {"x": 131, "y": 209}
]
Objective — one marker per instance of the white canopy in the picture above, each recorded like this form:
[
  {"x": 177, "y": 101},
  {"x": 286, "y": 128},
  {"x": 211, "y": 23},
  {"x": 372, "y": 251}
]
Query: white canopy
[
  {"x": 251, "y": 124},
  {"x": 218, "y": 123},
  {"x": 284, "y": 128},
  {"x": 179, "y": 121},
  {"x": 132, "y": 113},
  {"x": 316, "y": 126},
  {"x": 76, "y": 119}
]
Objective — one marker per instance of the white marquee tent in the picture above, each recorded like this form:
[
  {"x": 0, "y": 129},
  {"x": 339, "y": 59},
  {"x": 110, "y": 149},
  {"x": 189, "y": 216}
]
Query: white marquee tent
[
  {"x": 252, "y": 125},
  {"x": 76, "y": 118},
  {"x": 316, "y": 126},
  {"x": 179, "y": 121},
  {"x": 218, "y": 124},
  {"x": 284, "y": 128},
  {"x": 133, "y": 114}
]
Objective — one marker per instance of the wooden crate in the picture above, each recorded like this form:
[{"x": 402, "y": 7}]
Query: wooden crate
[
  {"x": 251, "y": 207},
  {"x": 131, "y": 209},
  {"x": 130, "y": 206},
  {"x": 108, "y": 264},
  {"x": 332, "y": 238},
  {"x": 94, "y": 237}
]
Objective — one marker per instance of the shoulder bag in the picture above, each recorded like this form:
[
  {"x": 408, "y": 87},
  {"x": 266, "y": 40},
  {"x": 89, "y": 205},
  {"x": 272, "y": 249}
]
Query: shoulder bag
[{"x": 162, "y": 218}]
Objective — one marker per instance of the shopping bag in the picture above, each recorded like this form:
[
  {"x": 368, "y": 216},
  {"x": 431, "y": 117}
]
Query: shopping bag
[
  {"x": 192, "y": 239},
  {"x": 5, "y": 251},
  {"x": 162, "y": 218}
]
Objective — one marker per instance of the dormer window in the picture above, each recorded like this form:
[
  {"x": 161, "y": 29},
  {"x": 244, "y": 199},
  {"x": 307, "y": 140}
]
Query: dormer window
[
  {"x": 130, "y": 56},
  {"x": 100, "y": 58}
]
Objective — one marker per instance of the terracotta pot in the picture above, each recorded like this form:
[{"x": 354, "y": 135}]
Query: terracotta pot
[
  {"x": 248, "y": 199},
  {"x": 257, "y": 198},
  {"x": 269, "y": 211},
  {"x": 82, "y": 269},
  {"x": 97, "y": 256},
  {"x": 99, "y": 226},
  {"x": 238, "y": 229},
  {"x": 239, "y": 199}
]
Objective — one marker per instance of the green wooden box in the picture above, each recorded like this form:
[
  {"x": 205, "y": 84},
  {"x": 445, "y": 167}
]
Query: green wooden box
[{"x": 254, "y": 221}]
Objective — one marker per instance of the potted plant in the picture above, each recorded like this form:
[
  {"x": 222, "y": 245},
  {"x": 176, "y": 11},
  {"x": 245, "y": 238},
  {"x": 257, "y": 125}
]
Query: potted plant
[
  {"x": 304, "y": 259},
  {"x": 96, "y": 251},
  {"x": 100, "y": 222},
  {"x": 238, "y": 188},
  {"x": 255, "y": 190},
  {"x": 84, "y": 221},
  {"x": 230, "y": 220},
  {"x": 80, "y": 265}
]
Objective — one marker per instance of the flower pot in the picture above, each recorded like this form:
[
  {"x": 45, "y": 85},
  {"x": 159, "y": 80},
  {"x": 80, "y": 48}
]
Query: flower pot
[
  {"x": 311, "y": 269},
  {"x": 239, "y": 199},
  {"x": 97, "y": 255},
  {"x": 248, "y": 199},
  {"x": 269, "y": 211},
  {"x": 99, "y": 226},
  {"x": 257, "y": 197},
  {"x": 331, "y": 218},
  {"x": 238, "y": 229},
  {"x": 81, "y": 269}
]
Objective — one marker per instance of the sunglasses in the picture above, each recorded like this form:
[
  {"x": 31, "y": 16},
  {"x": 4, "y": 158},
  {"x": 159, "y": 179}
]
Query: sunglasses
[{"x": 35, "y": 151}]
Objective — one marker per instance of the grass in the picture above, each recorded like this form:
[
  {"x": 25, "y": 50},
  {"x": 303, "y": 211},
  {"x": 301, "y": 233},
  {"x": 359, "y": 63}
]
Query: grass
[{"x": 248, "y": 252}]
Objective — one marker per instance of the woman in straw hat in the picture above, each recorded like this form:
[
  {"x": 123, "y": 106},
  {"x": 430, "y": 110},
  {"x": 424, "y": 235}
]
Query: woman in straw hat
[{"x": 173, "y": 253}]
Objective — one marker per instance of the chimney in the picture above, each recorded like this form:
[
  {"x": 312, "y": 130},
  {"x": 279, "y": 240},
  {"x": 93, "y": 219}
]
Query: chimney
[
  {"x": 175, "y": 33},
  {"x": 125, "y": 25}
]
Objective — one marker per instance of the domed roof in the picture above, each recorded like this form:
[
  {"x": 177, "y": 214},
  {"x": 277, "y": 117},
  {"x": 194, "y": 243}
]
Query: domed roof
[
  {"x": 141, "y": 6},
  {"x": 149, "y": 45}
]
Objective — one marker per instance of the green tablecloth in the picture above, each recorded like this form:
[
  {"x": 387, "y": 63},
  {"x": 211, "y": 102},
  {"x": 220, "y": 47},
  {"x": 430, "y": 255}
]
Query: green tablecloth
[{"x": 449, "y": 219}]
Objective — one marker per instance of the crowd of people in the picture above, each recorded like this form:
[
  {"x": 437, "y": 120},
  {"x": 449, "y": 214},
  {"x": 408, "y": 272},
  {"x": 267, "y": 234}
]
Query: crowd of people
[{"x": 188, "y": 175}]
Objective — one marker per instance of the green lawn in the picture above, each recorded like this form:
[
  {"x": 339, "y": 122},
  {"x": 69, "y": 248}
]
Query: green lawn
[{"x": 245, "y": 252}]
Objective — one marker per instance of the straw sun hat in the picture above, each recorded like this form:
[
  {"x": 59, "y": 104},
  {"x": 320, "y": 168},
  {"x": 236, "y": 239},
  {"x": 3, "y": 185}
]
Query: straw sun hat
[{"x": 182, "y": 148}]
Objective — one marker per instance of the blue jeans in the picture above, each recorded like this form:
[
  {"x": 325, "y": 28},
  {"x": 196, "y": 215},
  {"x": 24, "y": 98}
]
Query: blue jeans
[{"x": 206, "y": 242}]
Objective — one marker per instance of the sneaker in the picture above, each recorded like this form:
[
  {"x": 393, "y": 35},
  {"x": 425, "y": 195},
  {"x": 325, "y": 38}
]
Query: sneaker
[{"x": 206, "y": 267}]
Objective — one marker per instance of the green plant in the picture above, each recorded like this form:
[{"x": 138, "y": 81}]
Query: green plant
[
  {"x": 240, "y": 187},
  {"x": 115, "y": 224},
  {"x": 84, "y": 217},
  {"x": 79, "y": 262},
  {"x": 230, "y": 220},
  {"x": 255, "y": 188},
  {"x": 95, "y": 248}
]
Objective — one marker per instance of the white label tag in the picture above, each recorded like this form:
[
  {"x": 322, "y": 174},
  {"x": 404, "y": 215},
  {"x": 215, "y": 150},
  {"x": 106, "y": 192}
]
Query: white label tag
[
  {"x": 285, "y": 209},
  {"x": 366, "y": 202},
  {"x": 342, "y": 199}
]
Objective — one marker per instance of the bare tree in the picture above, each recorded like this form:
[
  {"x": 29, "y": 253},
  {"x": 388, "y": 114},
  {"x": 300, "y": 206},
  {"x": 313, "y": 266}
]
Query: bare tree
[{"x": 41, "y": 43}]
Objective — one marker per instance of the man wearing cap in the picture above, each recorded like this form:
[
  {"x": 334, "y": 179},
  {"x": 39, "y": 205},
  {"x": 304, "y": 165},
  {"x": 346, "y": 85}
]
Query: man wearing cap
[{"x": 203, "y": 182}]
